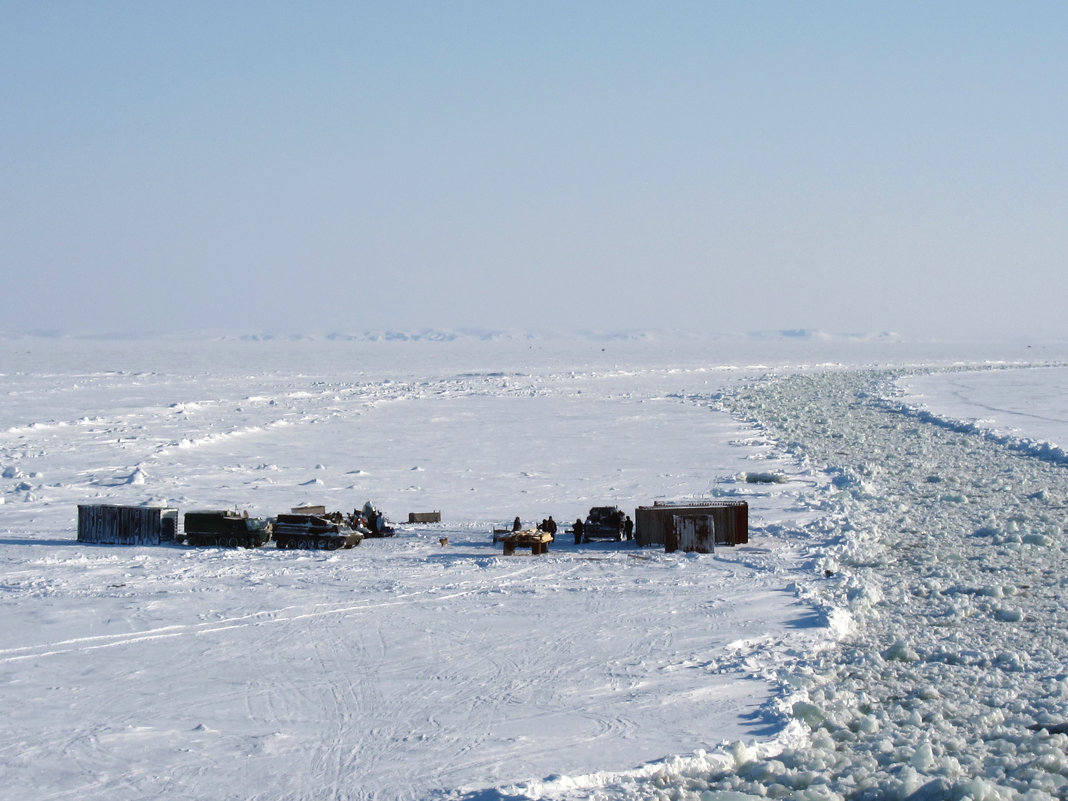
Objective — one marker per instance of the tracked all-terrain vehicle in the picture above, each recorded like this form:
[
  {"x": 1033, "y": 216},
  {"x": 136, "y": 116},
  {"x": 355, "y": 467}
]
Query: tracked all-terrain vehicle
[
  {"x": 225, "y": 529},
  {"x": 604, "y": 523},
  {"x": 314, "y": 532}
]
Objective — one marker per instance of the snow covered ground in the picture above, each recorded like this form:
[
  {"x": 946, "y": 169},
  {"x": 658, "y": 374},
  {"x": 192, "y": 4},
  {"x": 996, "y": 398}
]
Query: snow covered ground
[{"x": 894, "y": 624}]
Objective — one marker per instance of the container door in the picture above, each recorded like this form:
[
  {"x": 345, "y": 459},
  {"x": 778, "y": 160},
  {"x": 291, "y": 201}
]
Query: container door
[
  {"x": 695, "y": 533},
  {"x": 168, "y": 526}
]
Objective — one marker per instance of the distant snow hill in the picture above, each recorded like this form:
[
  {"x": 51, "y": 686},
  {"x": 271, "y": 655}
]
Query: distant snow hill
[
  {"x": 463, "y": 334},
  {"x": 815, "y": 335}
]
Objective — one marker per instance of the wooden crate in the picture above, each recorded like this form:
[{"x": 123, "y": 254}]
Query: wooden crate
[{"x": 535, "y": 539}]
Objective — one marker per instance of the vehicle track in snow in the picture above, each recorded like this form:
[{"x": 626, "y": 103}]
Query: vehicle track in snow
[
  {"x": 263, "y": 617},
  {"x": 462, "y": 660}
]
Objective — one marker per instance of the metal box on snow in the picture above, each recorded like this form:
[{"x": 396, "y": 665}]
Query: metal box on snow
[
  {"x": 126, "y": 525},
  {"x": 654, "y": 525}
]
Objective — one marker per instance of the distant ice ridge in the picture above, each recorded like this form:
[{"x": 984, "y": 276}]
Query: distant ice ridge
[
  {"x": 952, "y": 679},
  {"x": 1029, "y": 446},
  {"x": 472, "y": 334}
]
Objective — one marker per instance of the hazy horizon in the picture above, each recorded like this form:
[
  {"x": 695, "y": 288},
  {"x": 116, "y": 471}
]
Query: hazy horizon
[{"x": 389, "y": 334}]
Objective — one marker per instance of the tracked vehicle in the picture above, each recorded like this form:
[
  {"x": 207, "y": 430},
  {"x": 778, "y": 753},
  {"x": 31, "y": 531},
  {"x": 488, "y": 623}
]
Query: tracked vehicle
[
  {"x": 603, "y": 523},
  {"x": 225, "y": 529},
  {"x": 314, "y": 533}
]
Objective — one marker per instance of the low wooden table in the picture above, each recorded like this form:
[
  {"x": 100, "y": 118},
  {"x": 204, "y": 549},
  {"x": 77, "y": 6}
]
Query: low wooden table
[{"x": 537, "y": 541}]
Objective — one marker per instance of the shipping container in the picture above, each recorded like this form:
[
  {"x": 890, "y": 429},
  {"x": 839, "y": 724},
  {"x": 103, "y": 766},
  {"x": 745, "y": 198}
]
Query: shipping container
[
  {"x": 126, "y": 525},
  {"x": 656, "y": 524},
  {"x": 424, "y": 517}
]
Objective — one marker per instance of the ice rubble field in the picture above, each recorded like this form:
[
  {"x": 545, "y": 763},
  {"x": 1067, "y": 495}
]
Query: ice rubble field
[
  {"x": 894, "y": 627},
  {"x": 945, "y": 548}
]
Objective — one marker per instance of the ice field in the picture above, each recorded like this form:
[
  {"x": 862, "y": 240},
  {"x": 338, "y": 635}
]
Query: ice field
[{"x": 894, "y": 625}]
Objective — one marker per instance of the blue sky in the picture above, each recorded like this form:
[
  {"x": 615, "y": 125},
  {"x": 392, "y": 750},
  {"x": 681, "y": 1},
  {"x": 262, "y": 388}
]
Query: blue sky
[{"x": 727, "y": 167}]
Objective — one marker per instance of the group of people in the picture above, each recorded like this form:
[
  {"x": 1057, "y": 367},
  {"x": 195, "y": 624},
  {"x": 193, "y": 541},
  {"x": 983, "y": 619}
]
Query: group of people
[
  {"x": 626, "y": 526},
  {"x": 547, "y": 525}
]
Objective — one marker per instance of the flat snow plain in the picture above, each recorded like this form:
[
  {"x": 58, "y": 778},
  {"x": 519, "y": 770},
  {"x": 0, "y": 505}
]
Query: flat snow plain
[{"x": 796, "y": 665}]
